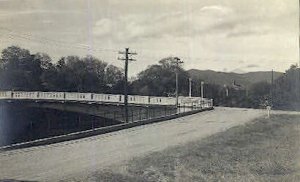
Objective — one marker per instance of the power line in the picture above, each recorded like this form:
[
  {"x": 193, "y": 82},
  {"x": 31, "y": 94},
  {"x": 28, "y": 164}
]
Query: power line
[{"x": 46, "y": 41}]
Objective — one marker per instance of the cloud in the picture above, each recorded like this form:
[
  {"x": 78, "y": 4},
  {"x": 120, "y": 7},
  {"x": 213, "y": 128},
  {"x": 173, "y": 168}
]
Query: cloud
[
  {"x": 175, "y": 24},
  {"x": 236, "y": 26},
  {"x": 37, "y": 12},
  {"x": 45, "y": 21},
  {"x": 103, "y": 27},
  {"x": 217, "y": 9},
  {"x": 248, "y": 29},
  {"x": 230, "y": 30},
  {"x": 244, "y": 33},
  {"x": 210, "y": 20},
  {"x": 252, "y": 66},
  {"x": 141, "y": 27}
]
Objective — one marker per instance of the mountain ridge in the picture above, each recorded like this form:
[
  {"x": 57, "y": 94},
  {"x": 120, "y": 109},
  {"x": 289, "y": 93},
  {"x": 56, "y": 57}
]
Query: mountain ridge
[{"x": 227, "y": 78}]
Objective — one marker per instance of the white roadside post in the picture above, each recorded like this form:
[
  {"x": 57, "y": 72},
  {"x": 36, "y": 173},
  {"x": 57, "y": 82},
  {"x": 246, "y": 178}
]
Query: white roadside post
[
  {"x": 268, "y": 108},
  {"x": 268, "y": 111}
]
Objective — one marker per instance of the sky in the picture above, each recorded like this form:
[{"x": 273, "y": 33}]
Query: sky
[{"x": 227, "y": 35}]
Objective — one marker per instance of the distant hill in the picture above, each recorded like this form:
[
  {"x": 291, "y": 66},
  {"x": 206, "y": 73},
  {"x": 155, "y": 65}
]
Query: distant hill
[{"x": 243, "y": 79}]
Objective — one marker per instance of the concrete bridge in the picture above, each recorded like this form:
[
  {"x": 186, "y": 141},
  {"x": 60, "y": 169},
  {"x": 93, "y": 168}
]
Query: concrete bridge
[{"x": 110, "y": 106}]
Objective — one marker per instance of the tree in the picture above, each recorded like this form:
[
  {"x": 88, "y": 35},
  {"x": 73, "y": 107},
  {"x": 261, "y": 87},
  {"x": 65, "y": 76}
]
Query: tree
[
  {"x": 93, "y": 77},
  {"x": 20, "y": 70},
  {"x": 45, "y": 59},
  {"x": 12, "y": 55},
  {"x": 286, "y": 89},
  {"x": 49, "y": 73},
  {"x": 87, "y": 74},
  {"x": 259, "y": 93},
  {"x": 114, "y": 79},
  {"x": 113, "y": 74},
  {"x": 159, "y": 80}
]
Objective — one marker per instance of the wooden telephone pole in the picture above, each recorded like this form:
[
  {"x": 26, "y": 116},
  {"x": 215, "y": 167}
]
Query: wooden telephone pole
[
  {"x": 190, "y": 87},
  {"x": 177, "y": 61},
  {"x": 127, "y": 58}
]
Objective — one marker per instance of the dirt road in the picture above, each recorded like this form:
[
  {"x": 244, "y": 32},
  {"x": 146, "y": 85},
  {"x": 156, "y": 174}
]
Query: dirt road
[{"x": 67, "y": 159}]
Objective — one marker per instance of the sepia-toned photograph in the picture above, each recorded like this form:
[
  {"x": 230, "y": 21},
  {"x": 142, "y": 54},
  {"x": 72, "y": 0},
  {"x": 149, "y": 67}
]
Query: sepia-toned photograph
[{"x": 149, "y": 91}]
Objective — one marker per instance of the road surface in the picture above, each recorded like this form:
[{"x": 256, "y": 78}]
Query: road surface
[{"x": 67, "y": 159}]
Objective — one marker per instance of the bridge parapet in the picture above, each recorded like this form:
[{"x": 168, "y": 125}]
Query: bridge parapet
[
  {"x": 107, "y": 98},
  {"x": 5, "y": 94}
]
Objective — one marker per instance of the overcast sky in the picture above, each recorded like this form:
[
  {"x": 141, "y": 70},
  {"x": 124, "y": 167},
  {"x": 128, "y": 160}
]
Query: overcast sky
[{"x": 225, "y": 35}]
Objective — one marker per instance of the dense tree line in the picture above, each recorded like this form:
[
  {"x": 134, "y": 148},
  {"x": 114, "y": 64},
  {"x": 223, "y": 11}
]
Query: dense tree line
[
  {"x": 286, "y": 91},
  {"x": 21, "y": 70}
]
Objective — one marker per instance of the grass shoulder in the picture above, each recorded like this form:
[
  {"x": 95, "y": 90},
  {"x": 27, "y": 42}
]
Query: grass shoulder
[{"x": 262, "y": 150}]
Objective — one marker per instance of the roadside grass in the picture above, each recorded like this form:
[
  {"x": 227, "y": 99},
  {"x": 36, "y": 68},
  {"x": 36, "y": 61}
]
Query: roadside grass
[{"x": 262, "y": 150}]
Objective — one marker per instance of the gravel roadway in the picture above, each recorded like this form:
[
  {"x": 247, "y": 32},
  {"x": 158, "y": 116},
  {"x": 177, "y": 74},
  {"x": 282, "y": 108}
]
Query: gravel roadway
[{"x": 69, "y": 159}]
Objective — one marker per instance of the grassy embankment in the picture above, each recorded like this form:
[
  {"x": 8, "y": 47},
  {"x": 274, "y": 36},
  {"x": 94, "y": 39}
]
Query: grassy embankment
[{"x": 263, "y": 150}]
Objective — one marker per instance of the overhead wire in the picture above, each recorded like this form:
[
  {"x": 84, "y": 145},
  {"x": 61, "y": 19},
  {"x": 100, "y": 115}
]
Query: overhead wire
[
  {"x": 69, "y": 45},
  {"x": 49, "y": 42}
]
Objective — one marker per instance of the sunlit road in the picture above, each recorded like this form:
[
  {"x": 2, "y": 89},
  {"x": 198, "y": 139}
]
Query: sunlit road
[{"x": 67, "y": 159}]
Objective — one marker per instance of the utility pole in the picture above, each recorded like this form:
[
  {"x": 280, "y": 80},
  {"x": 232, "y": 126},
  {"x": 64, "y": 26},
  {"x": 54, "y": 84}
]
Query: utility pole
[
  {"x": 202, "y": 89},
  {"x": 272, "y": 85},
  {"x": 126, "y": 59},
  {"x": 190, "y": 87},
  {"x": 177, "y": 61},
  {"x": 226, "y": 90}
]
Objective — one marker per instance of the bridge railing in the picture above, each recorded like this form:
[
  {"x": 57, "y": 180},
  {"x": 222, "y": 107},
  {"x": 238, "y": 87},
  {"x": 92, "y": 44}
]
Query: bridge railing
[
  {"x": 150, "y": 112},
  {"x": 140, "y": 114},
  {"x": 107, "y": 98},
  {"x": 5, "y": 95}
]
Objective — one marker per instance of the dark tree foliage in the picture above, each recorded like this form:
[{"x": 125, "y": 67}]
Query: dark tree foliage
[
  {"x": 259, "y": 94},
  {"x": 283, "y": 94},
  {"x": 20, "y": 70},
  {"x": 48, "y": 75},
  {"x": 160, "y": 80},
  {"x": 286, "y": 91},
  {"x": 115, "y": 79},
  {"x": 83, "y": 75}
]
